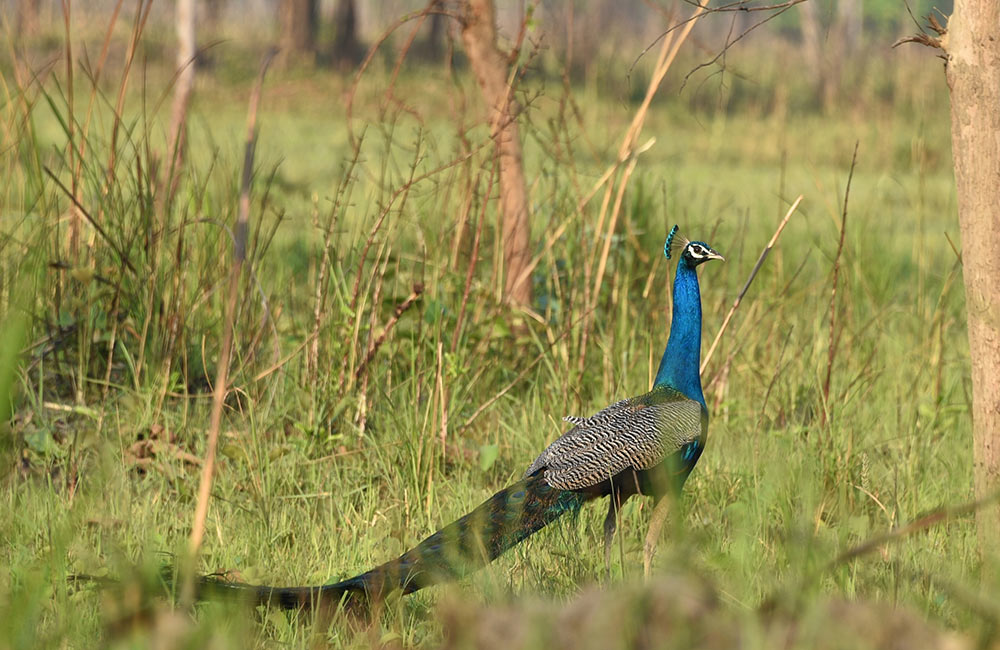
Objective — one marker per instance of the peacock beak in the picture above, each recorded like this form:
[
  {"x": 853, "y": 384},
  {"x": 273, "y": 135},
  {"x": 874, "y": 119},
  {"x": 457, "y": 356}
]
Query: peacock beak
[{"x": 713, "y": 255}]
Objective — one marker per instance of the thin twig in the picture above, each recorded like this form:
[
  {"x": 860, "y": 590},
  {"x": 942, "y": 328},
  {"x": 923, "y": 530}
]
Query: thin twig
[
  {"x": 343, "y": 197},
  {"x": 388, "y": 207},
  {"x": 93, "y": 222},
  {"x": 731, "y": 7},
  {"x": 832, "y": 349},
  {"x": 778, "y": 10},
  {"x": 503, "y": 391},
  {"x": 473, "y": 257},
  {"x": 626, "y": 153},
  {"x": 756, "y": 267},
  {"x": 940, "y": 515},
  {"x": 376, "y": 44},
  {"x": 418, "y": 289},
  {"x": 277, "y": 365}
]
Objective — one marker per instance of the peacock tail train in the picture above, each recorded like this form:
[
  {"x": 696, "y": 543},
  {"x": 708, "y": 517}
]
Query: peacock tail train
[
  {"x": 645, "y": 445},
  {"x": 460, "y": 548}
]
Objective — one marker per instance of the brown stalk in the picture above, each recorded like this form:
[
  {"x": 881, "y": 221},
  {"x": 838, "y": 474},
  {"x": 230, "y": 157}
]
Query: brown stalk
[
  {"x": 609, "y": 235},
  {"x": 521, "y": 375},
  {"x": 93, "y": 222},
  {"x": 319, "y": 299},
  {"x": 385, "y": 212},
  {"x": 421, "y": 18},
  {"x": 661, "y": 510},
  {"x": 668, "y": 52},
  {"x": 832, "y": 348},
  {"x": 370, "y": 299},
  {"x": 95, "y": 85},
  {"x": 562, "y": 227},
  {"x": 941, "y": 515},
  {"x": 277, "y": 365},
  {"x": 473, "y": 258},
  {"x": 74, "y": 221},
  {"x": 401, "y": 308},
  {"x": 746, "y": 285},
  {"x": 352, "y": 91},
  {"x": 222, "y": 371},
  {"x": 443, "y": 395},
  {"x": 377, "y": 281},
  {"x": 462, "y": 222},
  {"x": 141, "y": 15}
]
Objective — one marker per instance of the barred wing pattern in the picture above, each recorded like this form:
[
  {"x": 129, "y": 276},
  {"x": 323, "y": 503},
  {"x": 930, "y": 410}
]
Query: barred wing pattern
[{"x": 639, "y": 432}]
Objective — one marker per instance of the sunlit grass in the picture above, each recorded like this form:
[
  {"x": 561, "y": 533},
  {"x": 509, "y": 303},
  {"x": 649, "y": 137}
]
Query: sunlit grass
[{"x": 322, "y": 475}]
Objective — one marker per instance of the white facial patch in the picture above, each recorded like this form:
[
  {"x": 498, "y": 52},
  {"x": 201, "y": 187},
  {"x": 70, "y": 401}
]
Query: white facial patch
[{"x": 697, "y": 251}]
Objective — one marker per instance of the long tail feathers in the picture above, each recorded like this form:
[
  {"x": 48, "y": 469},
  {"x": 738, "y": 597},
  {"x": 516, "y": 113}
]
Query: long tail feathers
[{"x": 470, "y": 543}]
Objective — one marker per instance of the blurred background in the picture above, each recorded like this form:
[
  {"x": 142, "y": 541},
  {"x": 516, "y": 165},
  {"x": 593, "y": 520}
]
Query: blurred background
[{"x": 386, "y": 376}]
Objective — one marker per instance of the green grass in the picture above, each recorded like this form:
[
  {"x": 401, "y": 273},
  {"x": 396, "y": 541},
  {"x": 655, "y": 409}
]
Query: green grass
[{"x": 304, "y": 494}]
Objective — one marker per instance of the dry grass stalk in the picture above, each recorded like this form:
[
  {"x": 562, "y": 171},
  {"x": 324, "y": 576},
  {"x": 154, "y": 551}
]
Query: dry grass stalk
[
  {"x": 402, "y": 307},
  {"x": 75, "y": 224},
  {"x": 109, "y": 178},
  {"x": 473, "y": 258},
  {"x": 746, "y": 285},
  {"x": 222, "y": 371},
  {"x": 662, "y": 509},
  {"x": 626, "y": 152},
  {"x": 343, "y": 197},
  {"x": 95, "y": 86},
  {"x": 521, "y": 375},
  {"x": 834, "y": 337},
  {"x": 277, "y": 365},
  {"x": 376, "y": 44},
  {"x": 141, "y": 16},
  {"x": 443, "y": 395},
  {"x": 941, "y": 515}
]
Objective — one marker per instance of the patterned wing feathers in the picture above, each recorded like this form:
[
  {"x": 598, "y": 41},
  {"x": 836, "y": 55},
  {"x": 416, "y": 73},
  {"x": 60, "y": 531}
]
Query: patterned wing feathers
[{"x": 637, "y": 433}]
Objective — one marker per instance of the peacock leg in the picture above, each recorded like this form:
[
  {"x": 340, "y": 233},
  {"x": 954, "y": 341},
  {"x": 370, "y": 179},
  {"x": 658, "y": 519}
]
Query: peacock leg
[
  {"x": 656, "y": 521},
  {"x": 610, "y": 526}
]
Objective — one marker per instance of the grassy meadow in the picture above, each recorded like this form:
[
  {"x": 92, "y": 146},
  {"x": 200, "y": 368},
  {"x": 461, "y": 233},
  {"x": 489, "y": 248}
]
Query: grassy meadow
[{"x": 330, "y": 463}]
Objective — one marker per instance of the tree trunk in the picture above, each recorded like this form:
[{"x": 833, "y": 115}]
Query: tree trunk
[
  {"x": 27, "y": 17},
  {"x": 850, "y": 19},
  {"x": 214, "y": 10},
  {"x": 491, "y": 69},
  {"x": 435, "y": 36},
  {"x": 346, "y": 47},
  {"x": 298, "y": 19},
  {"x": 185, "y": 21},
  {"x": 973, "y": 71},
  {"x": 812, "y": 46}
]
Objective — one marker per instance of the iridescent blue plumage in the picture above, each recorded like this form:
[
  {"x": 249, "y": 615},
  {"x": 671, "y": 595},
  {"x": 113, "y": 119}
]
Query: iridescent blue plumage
[
  {"x": 643, "y": 445},
  {"x": 679, "y": 366}
]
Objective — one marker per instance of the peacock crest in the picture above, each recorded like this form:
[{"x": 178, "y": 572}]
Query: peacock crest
[{"x": 674, "y": 243}]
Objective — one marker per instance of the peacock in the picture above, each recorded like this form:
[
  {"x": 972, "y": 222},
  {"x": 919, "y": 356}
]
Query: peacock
[{"x": 644, "y": 445}]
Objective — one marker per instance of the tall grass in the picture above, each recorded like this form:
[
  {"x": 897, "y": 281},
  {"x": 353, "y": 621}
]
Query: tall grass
[{"x": 380, "y": 388}]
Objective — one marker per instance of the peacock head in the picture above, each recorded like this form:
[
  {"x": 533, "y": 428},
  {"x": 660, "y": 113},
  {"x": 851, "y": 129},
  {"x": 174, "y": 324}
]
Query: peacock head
[{"x": 693, "y": 252}]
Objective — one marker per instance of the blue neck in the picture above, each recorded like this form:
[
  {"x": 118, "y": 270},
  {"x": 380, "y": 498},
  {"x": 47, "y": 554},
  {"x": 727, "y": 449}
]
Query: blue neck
[{"x": 681, "y": 359}]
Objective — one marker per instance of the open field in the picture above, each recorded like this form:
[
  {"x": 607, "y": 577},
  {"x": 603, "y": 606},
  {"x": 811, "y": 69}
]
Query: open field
[{"x": 332, "y": 465}]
